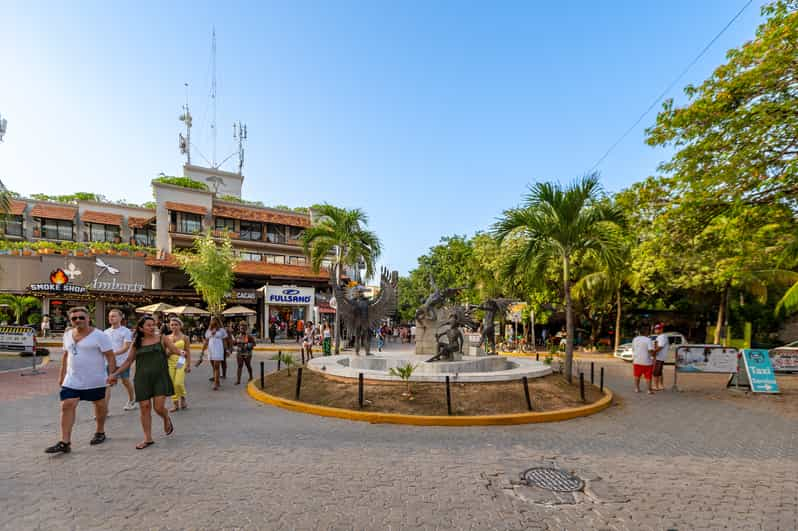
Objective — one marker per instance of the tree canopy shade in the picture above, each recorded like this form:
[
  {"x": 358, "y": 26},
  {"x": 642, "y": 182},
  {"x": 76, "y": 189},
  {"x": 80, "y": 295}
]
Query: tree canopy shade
[
  {"x": 737, "y": 139},
  {"x": 556, "y": 224},
  {"x": 341, "y": 233},
  {"x": 210, "y": 269}
]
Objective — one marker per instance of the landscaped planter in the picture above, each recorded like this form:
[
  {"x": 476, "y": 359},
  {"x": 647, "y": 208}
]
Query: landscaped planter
[
  {"x": 26, "y": 253},
  {"x": 124, "y": 253},
  {"x": 140, "y": 253}
]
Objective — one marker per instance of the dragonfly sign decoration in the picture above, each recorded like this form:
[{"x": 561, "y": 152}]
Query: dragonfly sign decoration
[{"x": 113, "y": 284}]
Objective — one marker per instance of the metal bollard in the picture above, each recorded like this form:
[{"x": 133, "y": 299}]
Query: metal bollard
[
  {"x": 537, "y": 356},
  {"x": 360, "y": 389},
  {"x": 262, "y": 377},
  {"x": 448, "y": 397},
  {"x": 592, "y": 380},
  {"x": 601, "y": 376},
  {"x": 582, "y": 386},
  {"x": 302, "y": 353},
  {"x": 279, "y": 359},
  {"x": 298, "y": 381},
  {"x": 526, "y": 393}
]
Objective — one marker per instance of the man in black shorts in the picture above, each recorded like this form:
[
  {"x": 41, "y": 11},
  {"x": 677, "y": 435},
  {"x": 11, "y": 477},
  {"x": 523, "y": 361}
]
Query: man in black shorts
[{"x": 83, "y": 376}]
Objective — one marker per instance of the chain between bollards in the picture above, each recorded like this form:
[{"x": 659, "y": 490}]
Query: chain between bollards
[
  {"x": 448, "y": 397},
  {"x": 360, "y": 389},
  {"x": 298, "y": 381},
  {"x": 582, "y": 386},
  {"x": 526, "y": 393},
  {"x": 262, "y": 377}
]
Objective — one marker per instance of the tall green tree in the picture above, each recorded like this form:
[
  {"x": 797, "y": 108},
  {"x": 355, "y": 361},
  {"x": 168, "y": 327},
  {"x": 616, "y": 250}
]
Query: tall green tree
[
  {"x": 210, "y": 269},
  {"x": 19, "y": 305},
  {"x": 342, "y": 233},
  {"x": 556, "y": 224}
]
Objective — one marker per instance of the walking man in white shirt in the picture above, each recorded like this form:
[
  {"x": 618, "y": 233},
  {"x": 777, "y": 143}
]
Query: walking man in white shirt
[
  {"x": 121, "y": 339},
  {"x": 642, "y": 362},
  {"x": 661, "y": 348},
  {"x": 83, "y": 376}
]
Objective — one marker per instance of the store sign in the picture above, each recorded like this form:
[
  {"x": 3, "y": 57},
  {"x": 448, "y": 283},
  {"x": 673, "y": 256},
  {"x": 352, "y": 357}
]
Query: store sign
[
  {"x": 289, "y": 295},
  {"x": 706, "y": 358},
  {"x": 110, "y": 283},
  {"x": 243, "y": 295},
  {"x": 59, "y": 283}
]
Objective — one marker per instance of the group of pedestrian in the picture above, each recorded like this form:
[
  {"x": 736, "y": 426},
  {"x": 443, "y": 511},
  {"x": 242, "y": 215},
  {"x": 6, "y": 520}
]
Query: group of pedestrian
[
  {"x": 649, "y": 356},
  {"x": 94, "y": 361}
]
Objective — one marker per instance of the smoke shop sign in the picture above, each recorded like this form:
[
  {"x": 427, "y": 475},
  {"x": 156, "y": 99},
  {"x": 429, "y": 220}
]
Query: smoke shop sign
[
  {"x": 289, "y": 295},
  {"x": 59, "y": 283}
]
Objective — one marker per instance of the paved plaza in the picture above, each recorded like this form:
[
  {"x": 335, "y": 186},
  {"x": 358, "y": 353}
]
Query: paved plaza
[{"x": 700, "y": 459}]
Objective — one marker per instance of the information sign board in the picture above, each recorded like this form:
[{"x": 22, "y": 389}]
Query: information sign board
[
  {"x": 760, "y": 371},
  {"x": 706, "y": 359},
  {"x": 784, "y": 360}
]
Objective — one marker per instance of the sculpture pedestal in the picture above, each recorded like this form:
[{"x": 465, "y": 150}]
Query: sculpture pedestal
[
  {"x": 472, "y": 346},
  {"x": 426, "y": 345}
]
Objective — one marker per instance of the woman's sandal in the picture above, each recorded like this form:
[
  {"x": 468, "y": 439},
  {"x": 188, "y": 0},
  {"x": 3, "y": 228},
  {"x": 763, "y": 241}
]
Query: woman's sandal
[
  {"x": 143, "y": 445},
  {"x": 171, "y": 429}
]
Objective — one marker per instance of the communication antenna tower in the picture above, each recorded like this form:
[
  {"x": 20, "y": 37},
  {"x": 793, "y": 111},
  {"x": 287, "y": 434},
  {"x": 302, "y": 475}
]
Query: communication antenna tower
[
  {"x": 213, "y": 95},
  {"x": 185, "y": 141},
  {"x": 240, "y": 134}
]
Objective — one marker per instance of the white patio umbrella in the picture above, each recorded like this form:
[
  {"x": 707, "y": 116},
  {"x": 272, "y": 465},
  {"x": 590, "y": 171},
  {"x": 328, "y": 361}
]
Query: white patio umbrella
[
  {"x": 188, "y": 310},
  {"x": 238, "y": 311},
  {"x": 155, "y": 308}
]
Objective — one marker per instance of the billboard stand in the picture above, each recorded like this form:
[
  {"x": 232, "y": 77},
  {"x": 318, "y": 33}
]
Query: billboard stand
[
  {"x": 740, "y": 378},
  {"x": 704, "y": 359}
]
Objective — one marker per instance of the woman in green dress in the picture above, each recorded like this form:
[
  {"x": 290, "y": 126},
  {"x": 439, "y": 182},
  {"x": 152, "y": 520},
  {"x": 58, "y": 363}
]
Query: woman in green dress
[{"x": 153, "y": 385}]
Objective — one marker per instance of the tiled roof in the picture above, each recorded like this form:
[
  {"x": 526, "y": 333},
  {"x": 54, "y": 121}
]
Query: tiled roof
[
  {"x": 263, "y": 216},
  {"x": 255, "y": 269},
  {"x": 183, "y": 207},
  {"x": 137, "y": 223},
  {"x": 16, "y": 208},
  {"x": 91, "y": 216},
  {"x": 44, "y": 210}
]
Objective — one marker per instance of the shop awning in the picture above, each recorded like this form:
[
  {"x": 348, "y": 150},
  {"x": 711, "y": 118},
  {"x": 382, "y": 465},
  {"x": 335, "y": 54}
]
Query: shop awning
[
  {"x": 280, "y": 270},
  {"x": 48, "y": 211},
  {"x": 263, "y": 216},
  {"x": 104, "y": 218},
  {"x": 188, "y": 209}
]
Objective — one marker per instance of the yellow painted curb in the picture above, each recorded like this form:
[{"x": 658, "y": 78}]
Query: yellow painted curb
[{"x": 430, "y": 420}]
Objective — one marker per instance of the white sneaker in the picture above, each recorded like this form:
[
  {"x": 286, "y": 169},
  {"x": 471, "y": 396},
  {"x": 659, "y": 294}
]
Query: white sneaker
[{"x": 130, "y": 406}]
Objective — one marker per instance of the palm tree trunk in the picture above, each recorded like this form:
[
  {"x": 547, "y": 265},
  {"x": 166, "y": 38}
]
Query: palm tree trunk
[
  {"x": 569, "y": 318},
  {"x": 618, "y": 318},
  {"x": 721, "y": 315},
  {"x": 337, "y": 322}
]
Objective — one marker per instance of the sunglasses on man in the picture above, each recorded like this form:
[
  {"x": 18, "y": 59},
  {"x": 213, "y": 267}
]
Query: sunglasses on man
[{"x": 78, "y": 318}]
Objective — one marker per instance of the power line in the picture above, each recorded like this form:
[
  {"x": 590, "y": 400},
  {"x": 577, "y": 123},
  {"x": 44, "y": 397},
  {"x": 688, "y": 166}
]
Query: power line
[{"x": 672, "y": 84}]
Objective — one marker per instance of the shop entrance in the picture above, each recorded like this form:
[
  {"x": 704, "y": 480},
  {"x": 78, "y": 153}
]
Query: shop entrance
[{"x": 285, "y": 318}]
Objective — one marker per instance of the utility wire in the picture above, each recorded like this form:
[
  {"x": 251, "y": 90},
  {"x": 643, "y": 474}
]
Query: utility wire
[{"x": 672, "y": 84}]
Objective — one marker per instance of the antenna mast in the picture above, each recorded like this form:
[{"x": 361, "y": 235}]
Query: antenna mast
[
  {"x": 185, "y": 141},
  {"x": 240, "y": 133},
  {"x": 213, "y": 95}
]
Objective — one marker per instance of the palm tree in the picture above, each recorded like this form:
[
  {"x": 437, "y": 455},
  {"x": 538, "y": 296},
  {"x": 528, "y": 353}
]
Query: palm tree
[
  {"x": 19, "y": 305},
  {"x": 556, "y": 225},
  {"x": 341, "y": 231},
  {"x": 608, "y": 280}
]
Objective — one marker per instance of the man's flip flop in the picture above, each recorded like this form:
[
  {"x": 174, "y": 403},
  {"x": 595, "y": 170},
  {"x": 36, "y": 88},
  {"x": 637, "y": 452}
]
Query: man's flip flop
[{"x": 146, "y": 444}]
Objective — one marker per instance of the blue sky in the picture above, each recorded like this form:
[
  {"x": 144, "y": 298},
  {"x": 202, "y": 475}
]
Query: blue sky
[{"x": 433, "y": 116}]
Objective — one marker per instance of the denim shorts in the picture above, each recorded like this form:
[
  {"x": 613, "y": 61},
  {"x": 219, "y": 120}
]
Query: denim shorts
[{"x": 124, "y": 374}]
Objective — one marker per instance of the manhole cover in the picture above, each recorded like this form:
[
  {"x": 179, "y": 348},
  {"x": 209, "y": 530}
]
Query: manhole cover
[{"x": 553, "y": 479}]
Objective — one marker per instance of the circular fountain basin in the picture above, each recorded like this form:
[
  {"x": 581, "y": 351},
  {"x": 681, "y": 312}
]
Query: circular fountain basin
[{"x": 468, "y": 369}]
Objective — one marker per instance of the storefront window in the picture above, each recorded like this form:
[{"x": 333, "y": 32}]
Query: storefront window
[
  {"x": 103, "y": 233},
  {"x": 145, "y": 236},
  {"x": 251, "y": 230},
  {"x": 275, "y": 259},
  {"x": 11, "y": 225},
  {"x": 225, "y": 224},
  {"x": 253, "y": 257},
  {"x": 297, "y": 260},
  {"x": 276, "y": 233},
  {"x": 57, "y": 229}
]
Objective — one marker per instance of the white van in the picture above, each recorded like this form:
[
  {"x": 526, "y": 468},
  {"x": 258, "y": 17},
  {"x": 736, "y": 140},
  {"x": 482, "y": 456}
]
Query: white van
[{"x": 674, "y": 340}]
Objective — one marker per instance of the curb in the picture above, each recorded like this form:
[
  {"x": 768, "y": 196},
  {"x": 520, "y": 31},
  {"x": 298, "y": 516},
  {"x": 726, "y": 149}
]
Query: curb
[{"x": 430, "y": 420}]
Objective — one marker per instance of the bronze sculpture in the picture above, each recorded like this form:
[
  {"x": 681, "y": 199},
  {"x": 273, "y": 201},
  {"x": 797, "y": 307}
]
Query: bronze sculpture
[
  {"x": 459, "y": 316},
  {"x": 361, "y": 315},
  {"x": 436, "y": 299},
  {"x": 491, "y": 307}
]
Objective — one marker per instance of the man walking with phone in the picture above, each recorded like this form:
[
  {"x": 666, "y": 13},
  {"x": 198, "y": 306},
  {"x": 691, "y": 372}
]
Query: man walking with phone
[{"x": 83, "y": 376}]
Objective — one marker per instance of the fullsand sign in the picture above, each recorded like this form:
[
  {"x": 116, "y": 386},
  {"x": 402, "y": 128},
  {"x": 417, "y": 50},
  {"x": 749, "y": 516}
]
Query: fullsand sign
[{"x": 291, "y": 295}]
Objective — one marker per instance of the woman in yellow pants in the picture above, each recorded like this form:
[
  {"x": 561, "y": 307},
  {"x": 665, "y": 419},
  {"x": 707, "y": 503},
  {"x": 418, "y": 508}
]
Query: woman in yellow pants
[{"x": 179, "y": 365}]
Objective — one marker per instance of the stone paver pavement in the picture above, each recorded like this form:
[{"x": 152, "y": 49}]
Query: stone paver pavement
[{"x": 690, "y": 460}]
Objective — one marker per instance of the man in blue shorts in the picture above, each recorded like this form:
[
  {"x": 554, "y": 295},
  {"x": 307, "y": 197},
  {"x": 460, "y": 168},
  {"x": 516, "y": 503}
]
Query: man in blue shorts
[{"x": 83, "y": 376}]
